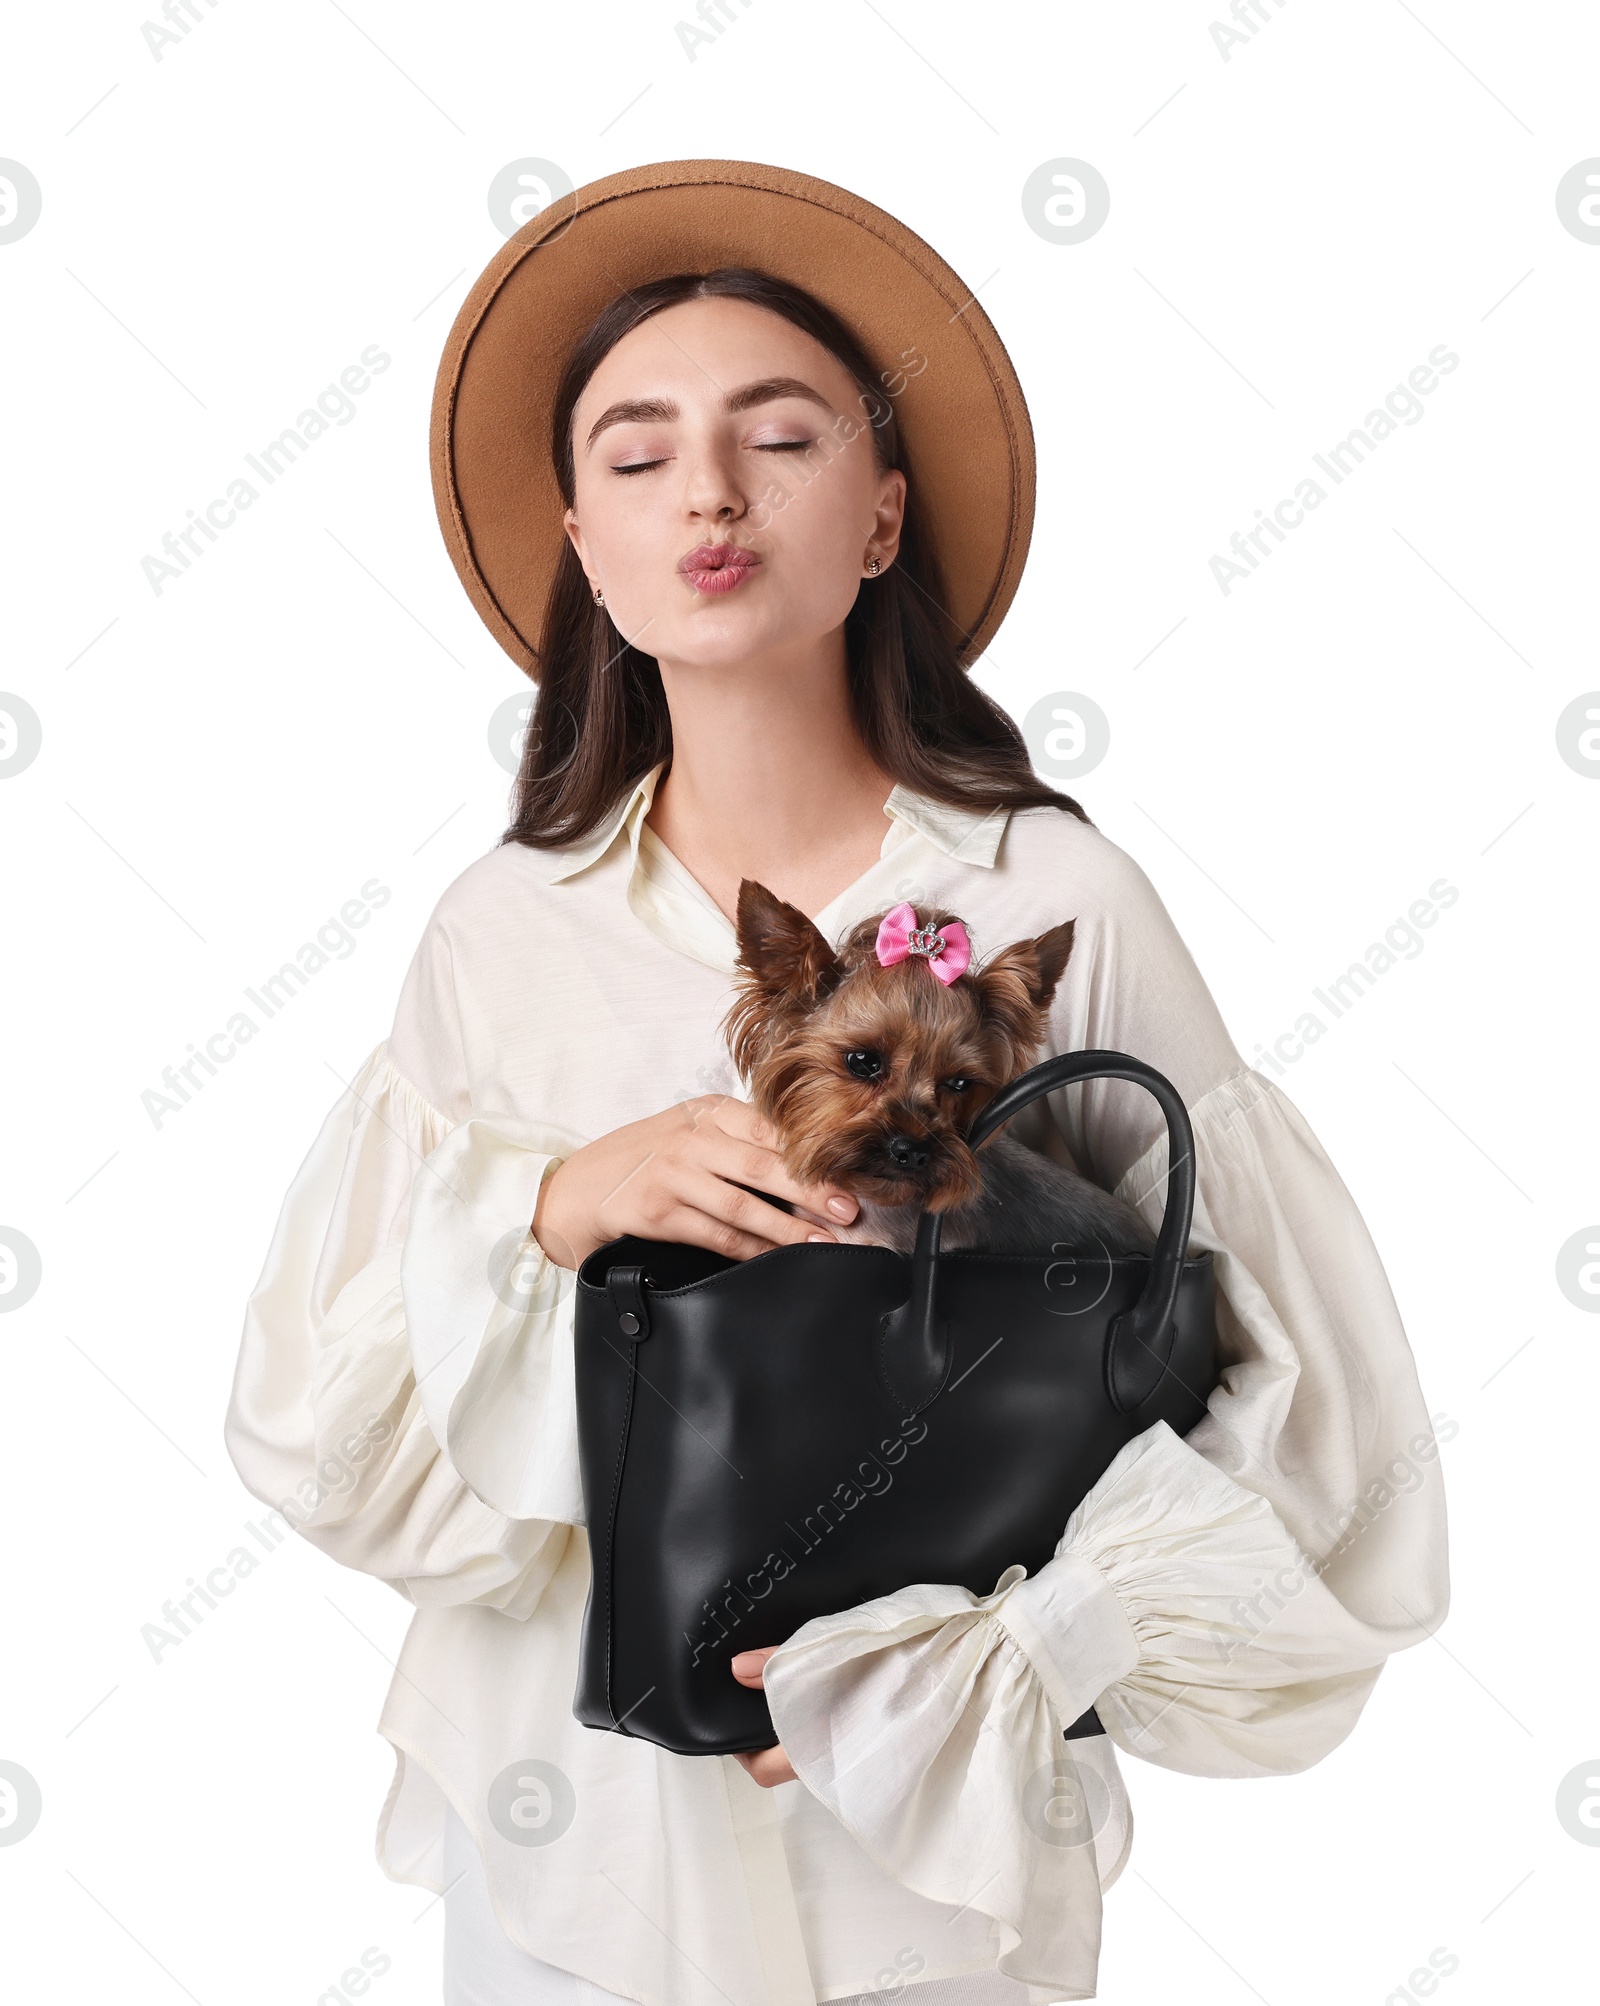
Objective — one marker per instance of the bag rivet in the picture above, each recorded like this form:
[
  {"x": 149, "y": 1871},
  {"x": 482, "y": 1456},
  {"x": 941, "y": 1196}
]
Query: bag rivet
[{"x": 629, "y": 1322}]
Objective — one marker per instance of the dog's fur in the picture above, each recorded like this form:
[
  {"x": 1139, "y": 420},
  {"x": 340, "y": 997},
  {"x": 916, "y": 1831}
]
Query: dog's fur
[{"x": 802, "y": 1008}]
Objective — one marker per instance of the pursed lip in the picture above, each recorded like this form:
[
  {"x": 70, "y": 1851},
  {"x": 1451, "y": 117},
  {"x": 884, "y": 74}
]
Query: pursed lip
[{"x": 717, "y": 567}]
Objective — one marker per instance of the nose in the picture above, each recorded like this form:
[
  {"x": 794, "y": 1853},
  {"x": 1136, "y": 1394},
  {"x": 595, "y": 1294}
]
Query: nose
[
  {"x": 711, "y": 485},
  {"x": 908, "y": 1152}
]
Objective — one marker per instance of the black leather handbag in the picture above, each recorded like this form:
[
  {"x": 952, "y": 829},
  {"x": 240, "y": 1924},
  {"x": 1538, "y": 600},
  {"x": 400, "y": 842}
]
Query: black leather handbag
[{"x": 770, "y": 1440}]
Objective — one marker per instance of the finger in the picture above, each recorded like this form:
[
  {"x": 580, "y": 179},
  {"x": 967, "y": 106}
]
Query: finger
[
  {"x": 839, "y": 1228},
  {"x": 743, "y": 1161},
  {"x": 768, "y": 1767},
  {"x": 744, "y": 1212},
  {"x": 749, "y": 1212},
  {"x": 730, "y": 1132},
  {"x": 688, "y": 1226},
  {"x": 766, "y": 1164},
  {"x": 763, "y": 1161},
  {"x": 748, "y": 1666}
]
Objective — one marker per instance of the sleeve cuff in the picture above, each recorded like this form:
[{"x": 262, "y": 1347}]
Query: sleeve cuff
[
  {"x": 1071, "y": 1627},
  {"x": 490, "y": 1317}
]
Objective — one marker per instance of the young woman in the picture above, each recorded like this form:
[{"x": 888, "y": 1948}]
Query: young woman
[{"x": 787, "y": 496}]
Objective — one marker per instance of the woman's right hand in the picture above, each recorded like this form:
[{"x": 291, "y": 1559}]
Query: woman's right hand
[{"x": 676, "y": 1176}]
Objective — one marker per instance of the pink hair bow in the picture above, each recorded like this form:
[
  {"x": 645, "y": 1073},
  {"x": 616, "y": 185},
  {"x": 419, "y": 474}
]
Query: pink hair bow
[{"x": 948, "y": 952}]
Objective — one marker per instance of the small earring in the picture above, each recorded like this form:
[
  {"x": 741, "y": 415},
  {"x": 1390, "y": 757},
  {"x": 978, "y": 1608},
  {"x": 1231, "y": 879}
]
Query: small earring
[
  {"x": 873, "y": 567},
  {"x": 599, "y": 596}
]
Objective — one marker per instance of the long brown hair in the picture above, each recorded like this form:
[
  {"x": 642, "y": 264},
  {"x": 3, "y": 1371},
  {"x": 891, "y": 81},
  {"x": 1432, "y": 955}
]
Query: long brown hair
[{"x": 600, "y": 721}]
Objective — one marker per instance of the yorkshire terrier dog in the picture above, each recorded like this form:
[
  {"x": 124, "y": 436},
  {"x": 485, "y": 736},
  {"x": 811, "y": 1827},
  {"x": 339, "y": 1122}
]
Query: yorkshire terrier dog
[{"x": 872, "y": 1062}]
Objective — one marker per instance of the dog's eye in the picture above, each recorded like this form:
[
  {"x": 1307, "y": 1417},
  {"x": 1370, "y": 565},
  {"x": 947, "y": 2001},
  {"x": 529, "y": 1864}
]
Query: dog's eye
[
  {"x": 958, "y": 1083},
  {"x": 865, "y": 1065}
]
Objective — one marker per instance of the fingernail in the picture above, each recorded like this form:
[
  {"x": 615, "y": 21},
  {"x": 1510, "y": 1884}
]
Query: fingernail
[
  {"x": 842, "y": 1208},
  {"x": 819, "y": 1239}
]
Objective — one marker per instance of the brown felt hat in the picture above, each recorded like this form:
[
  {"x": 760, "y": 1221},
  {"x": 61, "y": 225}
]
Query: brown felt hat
[{"x": 962, "y": 418}]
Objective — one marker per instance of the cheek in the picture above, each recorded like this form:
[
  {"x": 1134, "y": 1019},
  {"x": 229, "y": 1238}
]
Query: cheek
[
  {"x": 830, "y": 510},
  {"x": 632, "y": 539},
  {"x": 620, "y": 519},
  {"x": 821, "y": 534}
]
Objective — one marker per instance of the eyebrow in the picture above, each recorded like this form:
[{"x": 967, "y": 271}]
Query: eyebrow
[{"x": 646, "y": 410}]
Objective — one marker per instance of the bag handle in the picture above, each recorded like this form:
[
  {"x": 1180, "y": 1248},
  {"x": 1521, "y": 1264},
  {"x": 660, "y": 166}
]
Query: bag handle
[{"x": 913, "y": 1351}]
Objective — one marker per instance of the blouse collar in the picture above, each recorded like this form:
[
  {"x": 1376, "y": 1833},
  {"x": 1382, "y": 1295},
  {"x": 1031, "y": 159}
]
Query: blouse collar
[{"x": 969, "y": 835}]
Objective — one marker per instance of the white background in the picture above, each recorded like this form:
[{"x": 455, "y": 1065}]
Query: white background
[{"x": 224, "y": 764}]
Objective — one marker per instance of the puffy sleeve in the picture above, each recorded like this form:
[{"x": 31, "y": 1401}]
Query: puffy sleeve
[
  {"x": 403, "y": 1394},
  {"x": 1225, "y": 1601}
]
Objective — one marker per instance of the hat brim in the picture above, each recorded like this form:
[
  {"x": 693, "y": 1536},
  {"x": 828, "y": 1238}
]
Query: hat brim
[{"x": 957, "y": 401}]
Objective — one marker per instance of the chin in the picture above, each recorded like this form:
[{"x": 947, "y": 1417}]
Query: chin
[
  {"x": 743, "y": 626},
  {"x": 716, "y": 635}
]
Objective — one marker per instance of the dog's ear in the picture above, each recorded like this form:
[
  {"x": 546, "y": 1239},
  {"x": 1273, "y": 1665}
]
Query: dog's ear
[
  {"x": 781, "y": 949},
  {"x": 1018, "y": 984},
  {"x": 788, "y": 968}
]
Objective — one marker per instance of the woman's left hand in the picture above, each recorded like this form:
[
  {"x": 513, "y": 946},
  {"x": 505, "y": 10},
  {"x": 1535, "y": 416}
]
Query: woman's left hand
[{"x": 767, "y": 1765}]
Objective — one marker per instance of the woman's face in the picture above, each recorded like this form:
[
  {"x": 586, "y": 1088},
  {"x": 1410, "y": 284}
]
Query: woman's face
[{"x": 726, "y": 497}]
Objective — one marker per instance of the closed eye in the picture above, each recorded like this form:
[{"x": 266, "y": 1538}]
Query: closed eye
[{"x": 758, "y": 446}]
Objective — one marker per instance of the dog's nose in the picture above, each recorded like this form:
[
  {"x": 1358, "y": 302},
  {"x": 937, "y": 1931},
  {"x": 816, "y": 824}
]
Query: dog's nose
[{"x": 908, "y": 1152}]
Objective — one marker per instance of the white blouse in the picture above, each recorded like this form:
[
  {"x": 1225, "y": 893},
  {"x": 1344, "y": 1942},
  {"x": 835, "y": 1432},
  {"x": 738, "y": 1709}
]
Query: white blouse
[{"x": 405, "y": 1397}]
